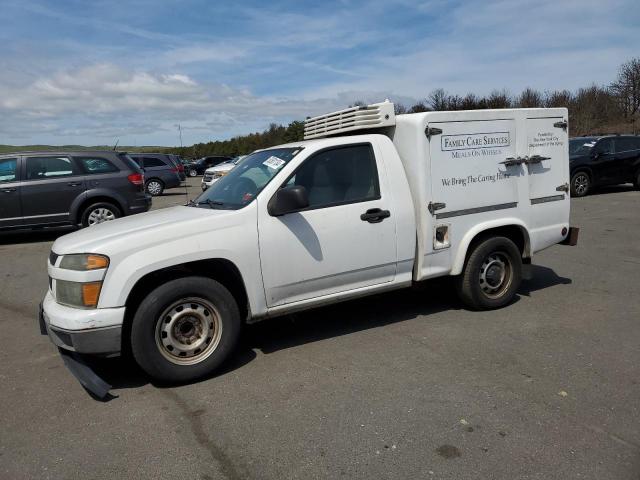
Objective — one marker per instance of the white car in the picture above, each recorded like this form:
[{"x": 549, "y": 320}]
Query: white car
[
  {"x": 343, "y": 214},
  {"x": 213, "y": 174}
]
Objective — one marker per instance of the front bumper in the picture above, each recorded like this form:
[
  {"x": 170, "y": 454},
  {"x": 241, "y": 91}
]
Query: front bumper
[{"x": 96, "y": 332}]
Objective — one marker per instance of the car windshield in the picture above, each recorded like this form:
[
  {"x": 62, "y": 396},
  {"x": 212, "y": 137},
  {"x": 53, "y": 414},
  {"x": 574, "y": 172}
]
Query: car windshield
[
  {"x": 581, "y": 146},
  {"x": 242, "y": 184}
]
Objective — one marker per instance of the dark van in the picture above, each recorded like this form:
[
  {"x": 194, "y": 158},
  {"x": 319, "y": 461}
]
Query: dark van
[{"x": 69, "y": 188}]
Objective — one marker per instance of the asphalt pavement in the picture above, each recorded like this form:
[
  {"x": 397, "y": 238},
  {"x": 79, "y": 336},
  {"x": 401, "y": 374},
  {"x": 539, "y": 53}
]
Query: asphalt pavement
[{"x": 401, "y": 385}]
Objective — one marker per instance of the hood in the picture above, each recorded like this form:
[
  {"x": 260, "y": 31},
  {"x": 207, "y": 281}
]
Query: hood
[{"x": 143, "y": 230}]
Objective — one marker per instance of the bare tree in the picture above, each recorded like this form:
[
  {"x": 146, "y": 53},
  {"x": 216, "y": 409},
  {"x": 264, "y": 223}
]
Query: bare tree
[
  {"x": 418, "y": 107},
  {"x": 558, "y": 98},
  {"x": 399, "y": 109},
  {"x": 499, "y": 99},
  {"x": 438, "y": 100},
  {"x": 530, "y": 98},
  {"x": 626, "y": 89}
]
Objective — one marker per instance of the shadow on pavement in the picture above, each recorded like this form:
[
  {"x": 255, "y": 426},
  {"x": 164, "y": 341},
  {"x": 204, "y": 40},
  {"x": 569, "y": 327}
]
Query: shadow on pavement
[
  {"x": 34, "y": 236},
  {"x": 344, "y": 318},
  {"x": 627, "y": 187}
]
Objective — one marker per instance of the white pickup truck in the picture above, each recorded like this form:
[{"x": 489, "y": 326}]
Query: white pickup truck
[{"x": 369, "y": 202}]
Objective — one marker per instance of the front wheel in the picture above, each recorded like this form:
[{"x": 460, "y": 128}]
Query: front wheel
[
  {"x": 193, "y": 172},
  {"x": 492, "y": 274},
  {"x": 184, "y": 329}
]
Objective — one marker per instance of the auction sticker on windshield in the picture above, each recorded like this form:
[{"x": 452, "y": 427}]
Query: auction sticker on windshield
[{"x": 274, "y": 162}]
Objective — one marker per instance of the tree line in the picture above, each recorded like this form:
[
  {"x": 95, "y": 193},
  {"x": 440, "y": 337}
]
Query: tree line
[{"x": 593, "y": 110}]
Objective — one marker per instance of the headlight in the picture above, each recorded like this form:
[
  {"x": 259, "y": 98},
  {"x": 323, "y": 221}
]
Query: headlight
[
  {"x": 75, "y": 294},
  {"x": 84, "y": 261},
  {"x": 85, "y": 292}
]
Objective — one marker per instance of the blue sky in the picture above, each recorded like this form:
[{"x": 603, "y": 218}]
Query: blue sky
[{"x": 88, "y": 72}]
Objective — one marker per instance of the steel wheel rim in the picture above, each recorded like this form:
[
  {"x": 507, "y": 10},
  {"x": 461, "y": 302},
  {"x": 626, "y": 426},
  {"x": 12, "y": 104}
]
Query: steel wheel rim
[
  {"x": 154, "y": 188},
  {"x": 496, "y": 274},
  {"x": 580, "y": 184},
  {"x": 192, "y": 173},
  {"x": 188, "y": 331},
  {"x": 100, "y": 215}
]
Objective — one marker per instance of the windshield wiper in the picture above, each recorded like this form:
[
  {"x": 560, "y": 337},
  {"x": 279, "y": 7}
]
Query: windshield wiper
[{"x": 211, "y": 203}]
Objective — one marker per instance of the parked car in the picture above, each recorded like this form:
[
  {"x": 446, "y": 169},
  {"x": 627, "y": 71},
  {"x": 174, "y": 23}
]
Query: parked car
[
  {"x": 68, "y": 188},
  {"x": 160, "y": 171},
  {"x": 199, "y": 166},
  {"x": 353, "y": 210},
  {"x": 213, "y": 174},
  {"x": 603, "y": 160}
]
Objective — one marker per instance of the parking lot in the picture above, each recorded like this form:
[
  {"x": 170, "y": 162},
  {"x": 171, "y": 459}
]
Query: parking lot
[{"x": 402, "y": 385}]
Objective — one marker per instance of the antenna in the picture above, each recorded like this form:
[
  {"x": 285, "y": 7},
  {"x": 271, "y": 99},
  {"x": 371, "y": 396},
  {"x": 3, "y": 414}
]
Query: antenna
[
  {"x": 116, "y": 145},
  {"x": 180, "y": 133}
]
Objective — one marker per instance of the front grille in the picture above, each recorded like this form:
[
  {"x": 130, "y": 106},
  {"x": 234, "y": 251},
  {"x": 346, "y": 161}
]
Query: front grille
[{"x": 53, "y": 257}]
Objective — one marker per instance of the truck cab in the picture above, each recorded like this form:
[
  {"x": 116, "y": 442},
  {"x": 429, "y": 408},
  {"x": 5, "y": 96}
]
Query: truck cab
[{"x": 368, "y": 202}]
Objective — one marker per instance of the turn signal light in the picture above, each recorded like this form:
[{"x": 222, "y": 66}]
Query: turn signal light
[
  {"x": 97, "y": 261},
  {"x": 91, "y": 293}
]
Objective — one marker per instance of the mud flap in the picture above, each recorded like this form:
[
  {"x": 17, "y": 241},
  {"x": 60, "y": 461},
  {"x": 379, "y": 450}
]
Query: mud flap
[{"x": 85, "y": 375}]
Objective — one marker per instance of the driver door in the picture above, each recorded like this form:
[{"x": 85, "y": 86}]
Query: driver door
[{"x": 329, "y": 248}]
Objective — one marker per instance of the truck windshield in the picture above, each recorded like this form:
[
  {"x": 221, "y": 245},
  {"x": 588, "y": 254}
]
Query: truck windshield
[{"x": 246, "y": 180}]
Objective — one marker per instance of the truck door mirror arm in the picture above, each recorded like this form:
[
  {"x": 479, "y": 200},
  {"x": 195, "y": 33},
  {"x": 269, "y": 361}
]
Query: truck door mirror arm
[{"x": 288, "y": 200}]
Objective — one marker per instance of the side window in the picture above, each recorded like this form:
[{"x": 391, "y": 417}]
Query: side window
[
  {"x": 97, "y": 165},
  {"x": 338, "y": 176},
  {"x": 138, "y": 160},
  {"x": 8, "y": 168},
  {"x": 150, "y": 162},
  {"x": 39, "y": 168},
  {"x": 626, "y": 144},
  {"x": 604, "y": 146}
]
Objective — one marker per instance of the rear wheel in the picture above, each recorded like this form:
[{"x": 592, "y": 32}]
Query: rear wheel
[
  {"x": 580, "y": 184},
  {"x": 155, "y": 187},
  {"x": 636, "y": 180},
  {"x": 99, "y": 212},
  {"x": 185, "y": 329},
  {"x": 193, "y": 172},
  {"x": 492, "y": 274}
]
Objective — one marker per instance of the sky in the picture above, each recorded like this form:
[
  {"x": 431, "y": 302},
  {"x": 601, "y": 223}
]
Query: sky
[{"x": 93, "y": 72}]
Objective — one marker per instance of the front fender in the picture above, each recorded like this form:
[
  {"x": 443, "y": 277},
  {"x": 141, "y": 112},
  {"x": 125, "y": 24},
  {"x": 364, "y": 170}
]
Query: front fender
[
  {"x": 463, "y": 246},
  {"x": 237, "y": 243}
]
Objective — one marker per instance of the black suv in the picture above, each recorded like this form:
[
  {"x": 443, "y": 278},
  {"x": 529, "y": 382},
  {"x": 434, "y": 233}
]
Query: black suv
[
  {"x": 62, "y": 188},
  {"x": 161, "y": 171},
  {"x": 199, "y": 166},
  {"x": 606, "y": 160}
]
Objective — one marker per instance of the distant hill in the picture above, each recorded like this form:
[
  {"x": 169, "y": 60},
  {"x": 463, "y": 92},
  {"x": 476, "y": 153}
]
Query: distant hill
[{"x": 60, "y": 148}]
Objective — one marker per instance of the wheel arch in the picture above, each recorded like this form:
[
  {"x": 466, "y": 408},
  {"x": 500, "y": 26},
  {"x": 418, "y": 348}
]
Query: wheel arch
[
  {"x": 220, "y": 269},
  {"x": 95, "y": 198},
  {"x": 512, "y": 229}
]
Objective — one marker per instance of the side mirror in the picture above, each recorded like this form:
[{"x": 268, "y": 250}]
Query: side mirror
[{"x": 287, "y": 200}]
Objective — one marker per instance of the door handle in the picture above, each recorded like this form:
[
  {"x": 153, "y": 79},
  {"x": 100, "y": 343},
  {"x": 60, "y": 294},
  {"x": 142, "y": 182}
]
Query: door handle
[
  {"x": 432, "y": 207},
  {"x": 8, "y": 190},
  {"x": 563, "y": 188},
  {"x": 74, "y": 184},
  {"x": 536, "y": 159},
  {"x": 375, "y": 215},
  {"x": 510, "y": 161}
]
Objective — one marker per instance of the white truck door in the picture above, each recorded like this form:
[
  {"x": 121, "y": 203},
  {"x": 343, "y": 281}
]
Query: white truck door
[
  {"x": 468, "y": 170},
  {"x": 345, "y": 240},
  {"x": 547, "y": 159}
]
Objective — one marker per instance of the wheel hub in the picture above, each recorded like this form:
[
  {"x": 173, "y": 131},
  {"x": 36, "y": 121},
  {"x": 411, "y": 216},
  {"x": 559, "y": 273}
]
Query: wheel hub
[
  {"x": 495, "y": 274},
  {"x": 188, "y": 331}
]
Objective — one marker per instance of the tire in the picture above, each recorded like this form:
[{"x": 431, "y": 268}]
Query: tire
[
  {"x": 154, "y": 187},
  {"x": 193, "y": 172},
  {"x": 184, "y": 329},
  {"x": 580, "y": 184},
  {"x": 492, "y": 274},
  {"x": 636, "y": 180},
  {"x": 98, "y": 213}
]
